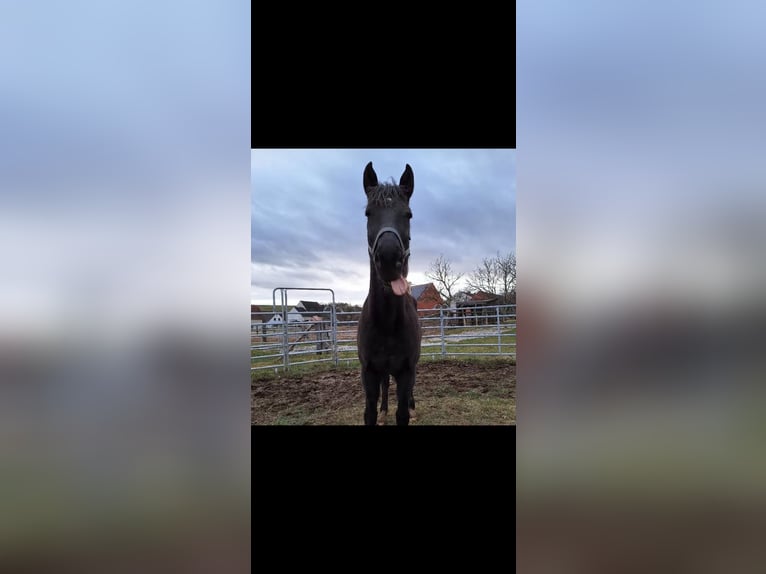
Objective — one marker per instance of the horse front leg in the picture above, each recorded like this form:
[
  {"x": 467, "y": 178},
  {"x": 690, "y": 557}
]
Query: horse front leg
[
  {"x": 405, "y": 382},
  {"x": 371, "y": 382},
  {"x": 383, "y": 416}
]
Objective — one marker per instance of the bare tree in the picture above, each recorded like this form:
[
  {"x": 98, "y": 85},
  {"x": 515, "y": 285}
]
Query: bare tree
[
  {"x": 506, "y": 272},
  {"x": 485, "y": 276},
  {"x": 495, "y": 275},
  {"x": 445, "y": 279}
]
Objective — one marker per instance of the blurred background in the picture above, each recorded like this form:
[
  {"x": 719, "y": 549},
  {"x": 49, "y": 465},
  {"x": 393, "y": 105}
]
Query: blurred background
[
  {"x": 642, "y": 286},
  {"x": 124, "y": 242}
]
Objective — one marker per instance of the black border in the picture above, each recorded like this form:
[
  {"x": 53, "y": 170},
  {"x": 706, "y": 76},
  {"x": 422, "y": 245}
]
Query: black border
[
  {"x": 327, "y": 468},
  {"x": 392, "y": 78}
]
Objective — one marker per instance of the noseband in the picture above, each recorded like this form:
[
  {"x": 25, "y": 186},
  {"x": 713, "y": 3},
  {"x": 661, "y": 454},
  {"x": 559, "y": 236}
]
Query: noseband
[{"x": 371, "y": 249}]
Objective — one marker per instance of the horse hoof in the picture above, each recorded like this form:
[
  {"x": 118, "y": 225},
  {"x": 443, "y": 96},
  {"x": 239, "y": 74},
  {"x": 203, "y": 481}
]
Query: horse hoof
[
  {"x": 382, "y": 417},
  {"x": 412, "y": 415}
]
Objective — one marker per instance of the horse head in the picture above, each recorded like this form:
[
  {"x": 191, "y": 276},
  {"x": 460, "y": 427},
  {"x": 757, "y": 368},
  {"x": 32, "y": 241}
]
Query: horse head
[{"x": 388, "y": 227}]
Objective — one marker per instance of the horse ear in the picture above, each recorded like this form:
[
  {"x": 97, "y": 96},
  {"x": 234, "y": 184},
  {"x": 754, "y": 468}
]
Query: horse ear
[
  {"x": 370, "y": 177},
  {"x": 407, "y": 181}
]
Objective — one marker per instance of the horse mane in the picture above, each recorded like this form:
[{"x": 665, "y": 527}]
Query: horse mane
[{"x": 377, "y": 195}]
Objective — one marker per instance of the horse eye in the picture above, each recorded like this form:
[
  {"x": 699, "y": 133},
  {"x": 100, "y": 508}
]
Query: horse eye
[
  {"x": 409, "y": 215},
  {"x": 367, "y": 213}
]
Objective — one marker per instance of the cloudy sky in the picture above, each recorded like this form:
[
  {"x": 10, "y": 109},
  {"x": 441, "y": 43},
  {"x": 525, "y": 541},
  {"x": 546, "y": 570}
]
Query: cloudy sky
[{"x": 309, "y": 229}]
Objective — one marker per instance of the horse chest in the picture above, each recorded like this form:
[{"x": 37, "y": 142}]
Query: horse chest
[{"x": 389, "y": 353}]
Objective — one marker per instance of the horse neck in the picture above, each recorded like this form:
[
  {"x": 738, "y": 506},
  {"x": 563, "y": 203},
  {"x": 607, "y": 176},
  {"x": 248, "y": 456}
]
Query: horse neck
[{"x": 384, "y": 304}]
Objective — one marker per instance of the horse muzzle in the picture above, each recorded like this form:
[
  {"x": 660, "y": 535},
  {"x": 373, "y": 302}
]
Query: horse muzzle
[{"x": 389, "y": 256}]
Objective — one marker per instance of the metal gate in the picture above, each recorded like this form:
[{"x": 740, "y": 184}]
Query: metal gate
[{"x": 303, "y": 332}]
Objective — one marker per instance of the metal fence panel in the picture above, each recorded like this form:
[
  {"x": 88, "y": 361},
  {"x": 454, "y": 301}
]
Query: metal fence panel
[{"x": 481, "y": 331}]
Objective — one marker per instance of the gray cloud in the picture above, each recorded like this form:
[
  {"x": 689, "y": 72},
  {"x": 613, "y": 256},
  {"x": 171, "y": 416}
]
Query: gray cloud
[{"x": 308, "y": 224}]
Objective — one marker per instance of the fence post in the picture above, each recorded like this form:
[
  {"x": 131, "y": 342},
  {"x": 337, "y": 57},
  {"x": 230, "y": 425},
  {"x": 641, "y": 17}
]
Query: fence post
[
  {"x": 441, "y": 330},
  {"x": 285, "y": 338},
  {"x": 499, "y": 347},
  {"x": 334, "y": 327}
]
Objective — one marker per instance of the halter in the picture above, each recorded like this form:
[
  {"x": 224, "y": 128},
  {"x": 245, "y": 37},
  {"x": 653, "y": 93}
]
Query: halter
[{"x": 383, "y": 230}]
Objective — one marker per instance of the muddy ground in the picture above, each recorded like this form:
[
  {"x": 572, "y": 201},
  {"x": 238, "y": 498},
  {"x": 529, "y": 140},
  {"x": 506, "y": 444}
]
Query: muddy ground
[{"x": 451, "y": 392}]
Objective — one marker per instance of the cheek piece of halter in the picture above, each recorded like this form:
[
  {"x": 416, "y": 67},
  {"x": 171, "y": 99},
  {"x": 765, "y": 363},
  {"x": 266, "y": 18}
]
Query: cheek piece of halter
[{"x": 371, "y": 249}]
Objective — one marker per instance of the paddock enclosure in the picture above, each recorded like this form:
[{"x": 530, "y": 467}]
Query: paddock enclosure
[{"x": 305, "y": 370}]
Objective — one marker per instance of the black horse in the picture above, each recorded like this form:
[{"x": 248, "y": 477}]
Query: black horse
[{"x": 388, "y": 338}]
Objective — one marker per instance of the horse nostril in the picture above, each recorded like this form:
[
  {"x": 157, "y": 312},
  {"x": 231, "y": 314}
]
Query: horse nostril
[{"x": 398, "y": 265}]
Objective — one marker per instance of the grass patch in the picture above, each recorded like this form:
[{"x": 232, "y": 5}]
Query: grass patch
[{"x": 466, "y": 409}]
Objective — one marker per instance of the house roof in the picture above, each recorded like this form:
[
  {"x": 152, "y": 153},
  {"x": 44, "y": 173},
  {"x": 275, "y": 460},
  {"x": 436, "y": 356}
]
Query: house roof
[
  {"x": 483, "y": 296},
  {"x": 310, "y": 306},
  {"x": 417, "y": 290},
  {"x": 477, "y": 299}
]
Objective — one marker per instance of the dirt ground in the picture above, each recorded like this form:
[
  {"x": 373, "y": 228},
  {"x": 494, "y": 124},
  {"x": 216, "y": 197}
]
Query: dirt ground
[{"x": 451, "y": 392}]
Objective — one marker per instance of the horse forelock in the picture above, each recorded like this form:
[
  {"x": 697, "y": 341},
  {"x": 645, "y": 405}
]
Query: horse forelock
[{"x": 377, "y": 196}]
